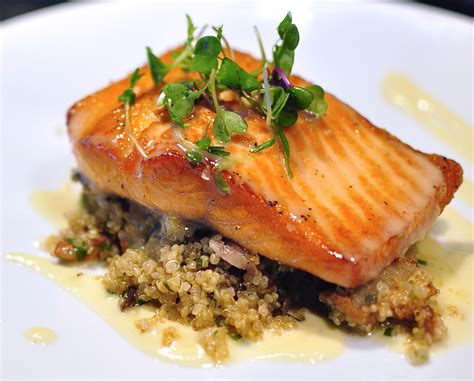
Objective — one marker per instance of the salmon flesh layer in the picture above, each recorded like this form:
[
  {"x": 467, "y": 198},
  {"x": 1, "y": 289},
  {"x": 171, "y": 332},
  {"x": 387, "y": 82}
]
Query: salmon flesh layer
[{"x": 359, "y": 197}]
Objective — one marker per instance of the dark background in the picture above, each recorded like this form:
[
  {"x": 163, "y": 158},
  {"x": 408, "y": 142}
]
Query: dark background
[{"x": 10, "y": 8}]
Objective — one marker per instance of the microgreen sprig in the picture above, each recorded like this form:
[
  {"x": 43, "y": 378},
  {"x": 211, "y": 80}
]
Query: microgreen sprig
[
  {"x": 284, "y": 50},
  {"x": 226, "y": 122},
  {"x": 128, "y": 99}
]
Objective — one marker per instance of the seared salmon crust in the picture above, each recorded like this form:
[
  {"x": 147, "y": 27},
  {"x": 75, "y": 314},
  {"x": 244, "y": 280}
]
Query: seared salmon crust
[{"x": 359, "y": 197}]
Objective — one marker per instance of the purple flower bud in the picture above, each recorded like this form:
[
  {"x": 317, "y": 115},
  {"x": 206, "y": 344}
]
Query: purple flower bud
[{"x": 279, "y": 78}]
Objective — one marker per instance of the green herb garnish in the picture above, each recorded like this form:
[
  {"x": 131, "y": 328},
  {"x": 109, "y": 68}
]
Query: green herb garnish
[
  {"x": 80, "y": 251},
  {"x": 284, "y": 50},
  {"x": 226, "y": 122},
  {"x": 106, "y": 246},
  {"x": 157, "y": 68},
  {"x": 179, "y": 100},
  {"x": 422, "y": 262},
  {"x": 390, "y": 331},
  {"x": 236, "y": 78},
  {"x": 235, "y": 336},
  {"x": 194, "y": 157},
  {"x": 217, "y": 150},
  {"x": 273, "y": 97},
  {"x": 220, "y": 183},
  {"x": 263, "y": 146},
  {"x": 318, "y": 106},
  {"x": 205, "y": 54}
]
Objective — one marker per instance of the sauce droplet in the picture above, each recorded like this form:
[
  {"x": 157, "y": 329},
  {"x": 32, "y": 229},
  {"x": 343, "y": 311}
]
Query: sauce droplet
[{"x": 40, "y": 335}]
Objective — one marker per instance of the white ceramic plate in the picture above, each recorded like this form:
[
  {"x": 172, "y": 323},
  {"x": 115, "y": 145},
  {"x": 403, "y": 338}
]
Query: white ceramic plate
[{"x": 55, "y": 56}]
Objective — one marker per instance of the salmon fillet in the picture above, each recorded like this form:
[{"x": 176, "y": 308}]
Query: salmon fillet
[{"x": 359, "y": 197}]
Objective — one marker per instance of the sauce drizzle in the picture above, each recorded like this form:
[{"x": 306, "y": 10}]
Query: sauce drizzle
[{"x": 40, "y": 335}]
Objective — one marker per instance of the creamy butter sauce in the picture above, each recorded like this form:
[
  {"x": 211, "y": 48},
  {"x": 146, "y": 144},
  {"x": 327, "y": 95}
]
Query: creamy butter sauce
[
  {"x": 40, "y": 335},
  {"x": 438, "y": 119},
  {"x": 314, "y": 339},
  {"x": 54, "y": 204}
]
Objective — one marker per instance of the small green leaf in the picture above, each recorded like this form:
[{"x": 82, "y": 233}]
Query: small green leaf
[
  {"x": 226, "y": 123},
  {"x": 178, "y": 101},
  {"x": 389, "y": 331},
  {"x": 205, "y": 54},
  {"x": 422, "y": 262},
  {"x": 229, "y": 74},
  {"x": 292, "y": 37},
  {"x": 136, "y": 75},
  {"x": 220, "y": 183},
  {"x": 287, "y": 118},
  {"x": 263, "y": 146},
  {"x": 128, "y": 96},
  {"x": 278, "y": 99},
  {"x": 203, "y": 143},
  {"x": 218, "y": 150},
  {"x": 284, "y": 25},
  {"x": 191, "y": 30},
  {"x": 319, "y": 105},
  {"x": 301, "y": 97},
  {"x": 318, "y": 91},
  {"x": 194, "y": 157},
  {"x": 218, "y": 30},
  {"x": 208, "y": 46},
  {"x": 283, "y": 58},
  {"x": 286, "y": 149},
  {"x": 234, "y": 77},
  {"x": 236, "y": 336},
  {"x": 106, "y": 246},
  {"x": 157, "y": 67},
  {"x": 80, "y": 252}
]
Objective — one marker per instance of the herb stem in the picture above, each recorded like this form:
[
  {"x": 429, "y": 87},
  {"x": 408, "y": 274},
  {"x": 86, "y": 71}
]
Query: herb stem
[
  {"x": 263, "y": 146},
  {"x": 212, "y": 88},
  {"x": 129, "y": 133},
  {"x": 182, "y": 56},
  {"x": 201, "y": 32},
  {"x": 198, "y": 93},
  {"x": 286, "y": 149},
  {"x": 266, "y": 88},
  {"x": 260, "y": 45},
  {"x": 227, "y": 45}
]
